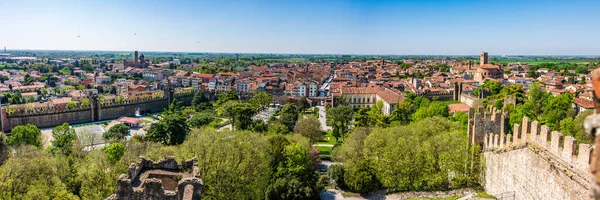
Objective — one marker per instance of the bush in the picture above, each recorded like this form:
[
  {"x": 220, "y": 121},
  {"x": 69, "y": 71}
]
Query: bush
[{"x": 336, "y": 173}]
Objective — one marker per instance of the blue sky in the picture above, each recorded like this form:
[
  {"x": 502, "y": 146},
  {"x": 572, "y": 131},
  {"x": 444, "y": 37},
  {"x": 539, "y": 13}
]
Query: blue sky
[{"x": 459, "y": 27}]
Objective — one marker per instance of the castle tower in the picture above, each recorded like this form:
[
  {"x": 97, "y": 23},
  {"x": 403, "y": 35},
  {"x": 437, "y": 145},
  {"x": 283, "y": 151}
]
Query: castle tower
[
  {"x": 135, "y": 59},
  {"x": 483, "y": 58}
]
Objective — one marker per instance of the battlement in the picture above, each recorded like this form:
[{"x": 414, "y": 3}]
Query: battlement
[
  {"x": 165, "y": 179},
  {"x": 484, "y": 120},
  {"x": 563, "y": 148}
]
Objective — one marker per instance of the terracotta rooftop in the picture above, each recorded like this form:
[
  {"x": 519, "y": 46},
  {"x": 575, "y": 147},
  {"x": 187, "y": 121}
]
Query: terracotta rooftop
[
  {"x": 458, "y": 107},
  {"x": 390, "y": 96},
  {"x": 584, "y": 103}
]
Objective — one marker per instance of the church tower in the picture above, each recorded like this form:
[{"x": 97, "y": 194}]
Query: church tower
[{"x": 483, "y": 58}]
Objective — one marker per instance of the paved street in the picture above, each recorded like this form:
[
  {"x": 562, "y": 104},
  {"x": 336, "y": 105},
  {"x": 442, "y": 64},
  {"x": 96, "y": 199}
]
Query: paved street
[{"x": 323, "y": 119}]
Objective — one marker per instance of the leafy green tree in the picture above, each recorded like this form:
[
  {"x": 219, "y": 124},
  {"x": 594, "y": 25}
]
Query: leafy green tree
[
  {"x": 361, "y": 177},
  {"x": 340, "y": 117},
  {"x": 375, "y": 114},
  {"x": 295, "y": 177},
  {"x": 117, "y": 132},
  {"x": 64, "y": 136},
  {"x": 230, "y": 95},
  {"x": 201, "y": 102},
  {"x": 336, "y": 173},
  {"x": 171, "y": 129},
  {"x": 418, "y": 156},
  {"x": 574, "y": 127},
  {"x": 434, "y": 109},
  {"x": 303, "y": 104},
  {"x": 557, "y": 108},
  {"x": 234, "y": 166},
  {"x": 202, "y": 118},
  {"x": 261, "y": 100},
  {"x": 310, "y": 127},
  {"x": 361, "y": 117},
  {"x": 227, "y": 110},
  {"x": 25, "y": 134},
  {"x": 31, "y": 174},
  {"x": 243, "y": 116},
  {"x": 259, "y": 126},
  {"x": 114, "y": 152},
  {"x": 278, "y": 128},
  {"x": 403, "y": 111},
  {"x": 288, "y": 116}
]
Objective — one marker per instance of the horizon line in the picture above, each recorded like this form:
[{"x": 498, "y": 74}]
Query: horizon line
[{"x": 288, "y": 53}]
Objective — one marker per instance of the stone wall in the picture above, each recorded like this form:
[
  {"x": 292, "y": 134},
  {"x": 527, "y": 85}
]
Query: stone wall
[
  {"x": 114, "y": 111},
  {"x": 534, "y": 163},
  {"x": 188, "y": 188},
  {"x": 484, "y": 121},
  {"x": 98, "y": 112},
  {"x": 46, "y": 119}
]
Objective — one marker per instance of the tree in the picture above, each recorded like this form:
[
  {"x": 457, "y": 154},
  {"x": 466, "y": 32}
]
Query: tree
[
  {"x": 71, "y": 105},
  {"x": 230, "y": 95},
  {"x": 64, "y": 136},
  {"x": 303, "y": 104},
  {"x": 340, "y": 117},
  {"x": 202, "y": 118},
  {"x": 114, "y": 152},
  {"x": 27, "y": 80},
  {"x": 243, "y": 116},
  {"x": 295, "y": 177},
  {"x": 361, "y": 117},
  {"x": 171, "y": 129},
  {"x": 259, "y": 126},
  {"x": 403, "y": 111},
  {"x": 418, "y": 156},
  {"x": 310, "y": 127},
  {"x": 288, "y": 116},
  {"x": 360, "y": 177},
  {"x": 25, "y": 134},
  {"x": 375, "y": 116},
  {"x": 278, "y": 128},
  {"x": 336, "y": 173},
  {"x": 261, "y": 100},
  {"x": 32, "y": 174},
  {"x": 117, "y": 132},
  {"x": 200, "y": 102},
  {"x": 434, "y": 109},
  {"x": 574, "y": 127},
  {"x": 557, "y": 108},
  {"x": 234, "y": 166}
]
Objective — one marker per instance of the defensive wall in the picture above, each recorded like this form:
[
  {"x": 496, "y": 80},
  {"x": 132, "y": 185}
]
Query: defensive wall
[
  {"x": 532, "y": 162},
  {"x": 95, "y": 111}
]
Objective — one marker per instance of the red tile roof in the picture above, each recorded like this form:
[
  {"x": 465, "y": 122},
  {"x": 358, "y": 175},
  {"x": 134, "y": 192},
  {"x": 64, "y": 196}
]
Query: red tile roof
[
  {"x": 458, "y": 107},
  {"x": 584, "y": 103},
  {"x": 130, "y": 120}
]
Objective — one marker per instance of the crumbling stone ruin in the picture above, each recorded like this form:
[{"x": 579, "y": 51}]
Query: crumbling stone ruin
[{"x": 162, "y": 180}]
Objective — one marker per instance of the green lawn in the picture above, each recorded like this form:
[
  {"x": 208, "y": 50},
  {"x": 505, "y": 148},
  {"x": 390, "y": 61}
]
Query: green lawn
[
  {"x": 327, "y": 138},
  {"x": 324, "y": 150}
]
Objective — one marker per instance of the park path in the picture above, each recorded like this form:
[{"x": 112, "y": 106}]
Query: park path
[{"x": 323, "y": 118}]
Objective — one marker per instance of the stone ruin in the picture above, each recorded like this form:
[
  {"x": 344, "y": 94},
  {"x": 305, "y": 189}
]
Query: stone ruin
[{"x": 165, "y": 179}]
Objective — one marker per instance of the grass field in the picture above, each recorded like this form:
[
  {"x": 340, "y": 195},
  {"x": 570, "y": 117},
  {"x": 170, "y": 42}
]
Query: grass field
[
  {"x": 330, "y": 140},
  {"x": 324, "y": 150}
]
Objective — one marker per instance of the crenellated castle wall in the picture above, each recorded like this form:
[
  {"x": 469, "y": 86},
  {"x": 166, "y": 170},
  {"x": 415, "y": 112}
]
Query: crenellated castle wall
[
  {"x": 95, "y": 112},
  {"x": 536, "y": 163}
]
